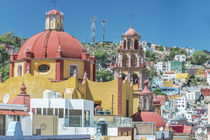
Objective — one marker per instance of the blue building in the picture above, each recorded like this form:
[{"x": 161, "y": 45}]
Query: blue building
[
  {"x": 157, "y": 82},
  {"x": 167, "y": 90}
]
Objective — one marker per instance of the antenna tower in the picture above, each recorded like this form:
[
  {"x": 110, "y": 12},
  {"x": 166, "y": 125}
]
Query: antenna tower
[
  {"x": 103, "y": 28},
  {"x": 93, "y": 28}
]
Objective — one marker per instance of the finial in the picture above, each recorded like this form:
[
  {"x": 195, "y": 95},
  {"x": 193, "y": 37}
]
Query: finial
[
  {"x": 27, "y": 49},
  {"x": 75, "y": 73},
  {"x": 22, "y": 89},
  {"x": 27, "y": 69},
  {"x": 85, "y": 75},
  {"x": 120, "y": 74},
  {"x": 146, "y": 82},
  {"x": 59, "y": 48}
]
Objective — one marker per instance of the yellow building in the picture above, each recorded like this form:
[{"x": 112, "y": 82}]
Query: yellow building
[
  {"x": 200, "y": 72},
  {"x": 167, "y": 83},
  {"x": 53, "y": 54},
  {"x": 57, "y": 61},
  {"x": 183, "y": 77}
]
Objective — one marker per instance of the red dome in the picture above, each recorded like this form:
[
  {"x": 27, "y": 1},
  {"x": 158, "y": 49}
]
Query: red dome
[
  {"x": 153, "y": 117},
  {"x": 131, "y": 31},
  {"x": 46, "y": 45},
  {"x": 54, "y": 12}
]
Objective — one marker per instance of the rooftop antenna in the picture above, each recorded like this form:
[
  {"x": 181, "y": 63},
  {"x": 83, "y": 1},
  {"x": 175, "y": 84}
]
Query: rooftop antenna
[
  {"x": 103, "y": 28},
  {"x": 54, "y": 2},
  {"x": 93, "y": 28},
  {"x": 131, "y": 16}
]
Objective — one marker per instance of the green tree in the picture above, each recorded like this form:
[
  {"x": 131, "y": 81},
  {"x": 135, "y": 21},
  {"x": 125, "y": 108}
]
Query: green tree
[
  {"x": 147, "y": 53},
  {"x": 4, "y": 63},
  {"x": 104, "y": 75},
  {"x": 199, "y": 58},
  {"x": 151, "y": 72},
  {"x": 160, "y": 48}
]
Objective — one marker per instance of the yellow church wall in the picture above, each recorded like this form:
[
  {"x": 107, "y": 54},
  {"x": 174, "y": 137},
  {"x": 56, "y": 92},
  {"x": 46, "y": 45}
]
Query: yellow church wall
[
  {"x": 127, "y": 95},
  {"x": 135, "y": 103},
  {"x": 101, "y": 92},
  {"x": 16, "y": 68},
  {"x": 91, "y": 71},
  {"x": 35, "y": 86},
  {"x": 35, "y": 65},
  {"x": 80, "y": 67}
]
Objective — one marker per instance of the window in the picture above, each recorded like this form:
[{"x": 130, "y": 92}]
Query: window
[
  {"x": 44, "y": 111},
  {"x": 50, "y": 111},
  {"x": 56, "y": 112},
  {"x": 72, "y": 69},
  {"x": 19, "y": 70},
  {"x": 75, "y": 118},
  {"x": 61, "y": 113},
  {"x": 44, "y": 68},
  {"x": 38, "y": 111}
]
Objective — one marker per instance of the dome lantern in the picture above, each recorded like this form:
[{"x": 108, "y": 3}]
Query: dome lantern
[{"x": 54, "y": 20}]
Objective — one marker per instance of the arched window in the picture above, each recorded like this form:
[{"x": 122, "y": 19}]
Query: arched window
[
  {"x": 133, "y": 61},
  {"x": 135, "y": 79},
  {"x": 125, "y": 61},
  {"x": 123, "y": 76},
  {"x": 43, "y": 68},
  {"x": 72, "y": 69},
  {"x": 130, "y": 43},
  {"x": 19, "y": 72},
  {"x": 136, "y": 45},
  {"x": 124, "y": 44}
]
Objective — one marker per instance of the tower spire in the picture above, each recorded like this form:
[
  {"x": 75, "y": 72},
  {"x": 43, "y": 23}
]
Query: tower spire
[{"x": 54, "y": 3}]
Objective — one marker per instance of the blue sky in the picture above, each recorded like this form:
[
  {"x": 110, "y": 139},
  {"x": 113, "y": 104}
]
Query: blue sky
[{"x": 184, "y": 23}]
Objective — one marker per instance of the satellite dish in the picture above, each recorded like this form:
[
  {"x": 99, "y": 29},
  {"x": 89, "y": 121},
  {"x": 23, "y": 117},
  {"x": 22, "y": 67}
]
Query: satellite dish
[
  {"x": 199, "y": 130},
  {"x": 161, "y": 129},
  {"x": 6, "y": 98}
]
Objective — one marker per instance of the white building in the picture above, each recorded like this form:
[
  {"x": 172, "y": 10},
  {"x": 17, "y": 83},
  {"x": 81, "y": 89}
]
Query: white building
[
  {"x": 180, "y": 58},
  {"x": 70, "y": 112},
  {"x": 192, "y": 94},
  {"x": 146, "y": 46},
  {"x": 169, "y": 76},
  {"x": 190, "y": 51},
  {"x": 163, "y": 67},
  {"x": 208, "y": 76},
  {"x": 181, "y": 103},
  {"x": 14, "y": 112}
]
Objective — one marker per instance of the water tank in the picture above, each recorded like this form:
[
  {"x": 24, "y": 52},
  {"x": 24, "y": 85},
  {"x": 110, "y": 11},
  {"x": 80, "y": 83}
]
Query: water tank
[
  {"x": 107, "y": 112},
  {"x": 102, "y": 127},
  {"x": 99, "y": 112}
]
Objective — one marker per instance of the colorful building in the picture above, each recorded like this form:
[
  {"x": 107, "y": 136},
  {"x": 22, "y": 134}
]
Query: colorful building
[
  {"x": 200, "y": 72},
  {"x": 57, "y": 61},
  {"x": 177, "y": 66},
  {"x": 131, "y": 63},
  {"x": 146, "y": 108},
  {"x": 168, "y": 90},
  {"x": 205, "y": 91},
  {"x": 53, "y": 54},
  {"x": 183, "y": 77},
  {"x": 167, "y": 83}
]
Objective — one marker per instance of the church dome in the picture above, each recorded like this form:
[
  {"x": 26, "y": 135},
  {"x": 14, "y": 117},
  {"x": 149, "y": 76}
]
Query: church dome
[
  {"x": 47, "y": 44},
  {"x": 54, "y": 12},
  {"x": 145, "y": 116},
  {"x": 131, "y": 31},
  {"x": 153, "y": 117}
]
